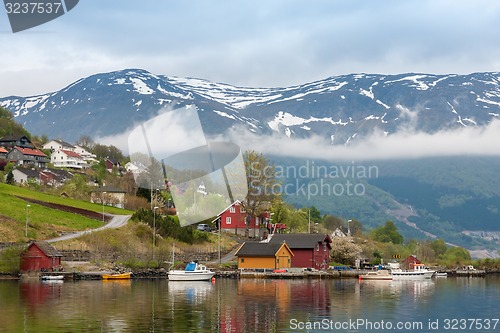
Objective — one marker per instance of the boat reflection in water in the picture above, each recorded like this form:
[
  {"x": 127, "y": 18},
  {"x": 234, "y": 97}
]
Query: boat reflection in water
[{"x": 193, "y": 292}]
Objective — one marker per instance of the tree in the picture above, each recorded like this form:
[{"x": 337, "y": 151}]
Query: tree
[
  {"x": 10, "y": 178},
  {"x": 345, "y": 251},
  {"x": 388, "y": 233},
  {"x": 456, "y": 255},
  {"x": 332, "y": 222},
  {"x": 298, "y": 220},
  {"x": 315, "y": 214},
  {"x": 356, "y": 227},
  {"x": 262, "y": 185},
  {"x": 439, "y": 246},
  {"x": 86, "y": 142}
]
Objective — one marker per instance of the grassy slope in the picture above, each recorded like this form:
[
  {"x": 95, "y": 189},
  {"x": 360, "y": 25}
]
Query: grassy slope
[{"x": 43, "y": 222}]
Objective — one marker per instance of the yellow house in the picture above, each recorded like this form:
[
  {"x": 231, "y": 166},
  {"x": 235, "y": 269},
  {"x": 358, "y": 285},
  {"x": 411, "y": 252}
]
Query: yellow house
[{"x": 264, "y": 256}]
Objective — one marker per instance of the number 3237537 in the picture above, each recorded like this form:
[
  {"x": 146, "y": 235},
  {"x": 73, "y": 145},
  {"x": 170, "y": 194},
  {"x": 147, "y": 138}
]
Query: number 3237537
[
  {"x": 470, "y": 324},
  {"x": 33, "y": 7}
]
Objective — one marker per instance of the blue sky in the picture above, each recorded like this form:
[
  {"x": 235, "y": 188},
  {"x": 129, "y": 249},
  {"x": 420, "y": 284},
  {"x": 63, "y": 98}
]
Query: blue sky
[{"x": 251, "y": 43}]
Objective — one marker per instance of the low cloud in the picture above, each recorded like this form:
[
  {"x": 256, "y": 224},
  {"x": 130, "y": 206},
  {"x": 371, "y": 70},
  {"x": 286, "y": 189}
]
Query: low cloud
[{"x": 403, "y": 145}]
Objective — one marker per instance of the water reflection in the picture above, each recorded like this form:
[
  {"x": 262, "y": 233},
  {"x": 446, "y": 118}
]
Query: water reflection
[{"x": 246, "y": 305}]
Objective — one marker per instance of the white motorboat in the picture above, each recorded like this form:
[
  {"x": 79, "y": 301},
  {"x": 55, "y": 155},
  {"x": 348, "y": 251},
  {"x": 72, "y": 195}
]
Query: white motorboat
[
  {"x": 419, "y": 272},
  {"x": 52, "y": 277},
  {"x": 382, "y": 274},
  {"x": 193, "y": 272}
]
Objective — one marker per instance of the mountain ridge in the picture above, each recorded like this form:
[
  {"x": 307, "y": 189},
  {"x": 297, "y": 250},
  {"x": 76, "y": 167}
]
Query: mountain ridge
[{"x": 340, "y": 108}]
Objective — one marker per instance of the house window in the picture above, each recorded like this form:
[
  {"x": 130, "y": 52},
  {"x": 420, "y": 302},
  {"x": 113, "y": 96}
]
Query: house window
[
  {"x": 317, "y": 247},
  {"x": 324, "y": 247},
  {"x": 232, "y": 210},
  {"x": 242, "y": 209},
  {"x": 228, "y": 220},
  {"x": 242, "y": 260}
]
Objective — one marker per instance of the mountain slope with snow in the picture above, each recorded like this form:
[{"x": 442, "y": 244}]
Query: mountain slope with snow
[{"x": 339, "y": 108}]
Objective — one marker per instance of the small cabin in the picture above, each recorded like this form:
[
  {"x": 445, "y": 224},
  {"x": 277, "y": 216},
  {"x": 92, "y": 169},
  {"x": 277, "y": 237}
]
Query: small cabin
[
  {"x": 40, "y": 256},
  {"x": 264, "y": 256}
]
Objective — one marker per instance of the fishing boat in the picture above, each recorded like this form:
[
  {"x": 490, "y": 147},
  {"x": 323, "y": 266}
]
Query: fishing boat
[
  {"x": 52, "y": 277},
  {"x": 118, "y": 276},
  {"x": 417, "y": 272},
  {"x": 382, "y": 274},
  {"x": 192, "y": 272}
]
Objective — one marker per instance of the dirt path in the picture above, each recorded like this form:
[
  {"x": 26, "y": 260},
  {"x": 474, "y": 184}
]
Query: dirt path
[{"x": 116, "y": 221}]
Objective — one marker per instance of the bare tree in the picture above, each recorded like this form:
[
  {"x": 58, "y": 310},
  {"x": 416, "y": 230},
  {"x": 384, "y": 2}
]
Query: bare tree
[{"x": 262, "y": 185}]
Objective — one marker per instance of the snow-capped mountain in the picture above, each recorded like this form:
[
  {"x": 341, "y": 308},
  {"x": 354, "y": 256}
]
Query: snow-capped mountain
[{"x": 339, "y": 108}]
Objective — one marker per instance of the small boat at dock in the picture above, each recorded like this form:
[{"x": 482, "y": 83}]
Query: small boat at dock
[
  {"x": 193, "y": 272},
  {"x": 417, "y": 272},
  {"x": 52, "y": 277},
  {"x": 377, "y": 275},
  {"x": 118, "y": 276}
]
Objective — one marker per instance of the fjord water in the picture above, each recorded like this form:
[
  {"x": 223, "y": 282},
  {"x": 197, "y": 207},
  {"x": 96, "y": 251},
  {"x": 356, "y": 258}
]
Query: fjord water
[{"x": 249, "y": 305}]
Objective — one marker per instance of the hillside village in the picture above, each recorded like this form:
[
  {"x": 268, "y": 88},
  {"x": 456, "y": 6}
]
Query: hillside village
[{"x": 102, "y": 175}]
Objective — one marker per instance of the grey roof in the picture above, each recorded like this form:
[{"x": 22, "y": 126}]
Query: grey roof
[
  {"x": 300, "y": 241},
  {"x": 48, "y": 249},
  {"x": 28, "y": 172},
  {"x": 258, "y": 249},
  {"x": 64, "y": 143},
  {"x": 109, "y": 189}
]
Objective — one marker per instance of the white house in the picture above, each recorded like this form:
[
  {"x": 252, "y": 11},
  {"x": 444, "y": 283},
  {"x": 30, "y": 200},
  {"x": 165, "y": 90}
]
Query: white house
[
  {"x": 135, "y": 167},
  {"x": 22, "y": 176},
  {"x": 56, "y": 145},
  {"x": 68, "y": 159},
  {"x": 85, "y": 154}
]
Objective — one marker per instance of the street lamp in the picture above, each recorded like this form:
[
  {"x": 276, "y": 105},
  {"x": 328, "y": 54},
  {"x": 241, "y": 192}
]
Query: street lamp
[
  {"x": 154, "y": 230},
  {"x": 309, "y": 217},
  {"x": 103, "y": 193},
  {"x": 27, "y": 206}
]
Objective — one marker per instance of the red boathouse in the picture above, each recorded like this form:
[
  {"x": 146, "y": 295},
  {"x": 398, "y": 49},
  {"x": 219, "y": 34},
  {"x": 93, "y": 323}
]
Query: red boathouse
[{"x": 40, "y": 256}]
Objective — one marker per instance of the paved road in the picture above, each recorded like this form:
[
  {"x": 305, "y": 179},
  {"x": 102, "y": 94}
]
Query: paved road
[{"x": 116, "y": 222}]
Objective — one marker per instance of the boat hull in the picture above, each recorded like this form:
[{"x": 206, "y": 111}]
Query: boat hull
[
  {"x": 190, "y": 276},
  {"x": 412, "y": 275},
  {"x": 123, "y": 276},
  {"x": 53, "y": 277},
  {"x": 378, "y": 275}
]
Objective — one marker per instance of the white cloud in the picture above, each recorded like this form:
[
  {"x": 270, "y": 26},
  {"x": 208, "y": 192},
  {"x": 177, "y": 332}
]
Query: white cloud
[
  {"x": 402, "y": 145},
  {"x": 258, "y": 43}
]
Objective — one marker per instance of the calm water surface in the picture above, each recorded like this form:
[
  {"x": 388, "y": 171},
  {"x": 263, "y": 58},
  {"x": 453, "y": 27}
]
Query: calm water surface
[{"x": 251, "y": 305}]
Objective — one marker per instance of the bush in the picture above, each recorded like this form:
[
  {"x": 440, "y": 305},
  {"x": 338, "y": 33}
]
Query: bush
[
  {"x": 10, "y": 259},
  {"x": 169, "y": 226}
]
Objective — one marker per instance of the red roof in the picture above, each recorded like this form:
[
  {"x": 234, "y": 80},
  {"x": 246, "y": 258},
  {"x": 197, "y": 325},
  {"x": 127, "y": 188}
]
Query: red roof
[
  {"x": 71, "y": 153},
  {"x": 29, "y": 151},
  {"x": 3, "y": 150}
]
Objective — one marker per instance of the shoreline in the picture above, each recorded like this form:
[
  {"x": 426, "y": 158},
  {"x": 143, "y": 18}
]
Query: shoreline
[{"x": 235, "y": 274}]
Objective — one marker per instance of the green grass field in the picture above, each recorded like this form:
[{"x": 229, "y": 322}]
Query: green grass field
[
  {"x": 26, "y": 193},
  {"x": 43, "y": 222}
]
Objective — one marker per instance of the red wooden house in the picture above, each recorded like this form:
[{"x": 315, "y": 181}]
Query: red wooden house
[
  {"x": 410, "y": 262},
  {"x": 310, "y": 250},
  {"x": 40, "y": 256},
  {"x": 233, "y": 219}
]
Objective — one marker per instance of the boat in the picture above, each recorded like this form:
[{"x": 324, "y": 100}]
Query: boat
[
  {"x": 192, "y": 272},
  {"x": 382, "y": 274},
  {"x": 441, "y": 274},
  {"x": 118, "y": 276},
  {"x": 419, "y": 272},
  {"x": 52, "y": 277}
]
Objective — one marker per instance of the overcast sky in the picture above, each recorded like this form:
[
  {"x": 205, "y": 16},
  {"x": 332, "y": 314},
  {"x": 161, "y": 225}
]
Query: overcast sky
[{"x": 251, "y": 43}]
